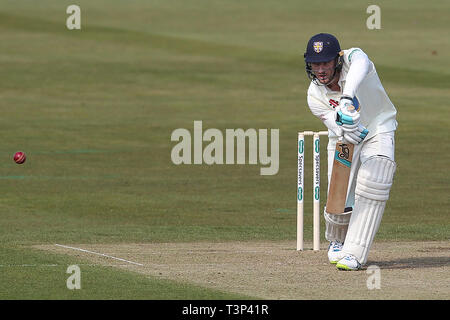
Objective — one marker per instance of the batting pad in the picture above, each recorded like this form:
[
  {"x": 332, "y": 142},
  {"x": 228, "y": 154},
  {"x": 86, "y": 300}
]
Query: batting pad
[{"x": 373, "y": 185}]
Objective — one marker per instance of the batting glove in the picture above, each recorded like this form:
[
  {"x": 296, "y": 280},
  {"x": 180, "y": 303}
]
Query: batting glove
[
  {"x": 347, "y": 117},
  {"x": 357, "y": 136}
]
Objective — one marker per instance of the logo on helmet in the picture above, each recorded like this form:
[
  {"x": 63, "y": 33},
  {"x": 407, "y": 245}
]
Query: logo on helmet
[{"x": 318, "y": 46}]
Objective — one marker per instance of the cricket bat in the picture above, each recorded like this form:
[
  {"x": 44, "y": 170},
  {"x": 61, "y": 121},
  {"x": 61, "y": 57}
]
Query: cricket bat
[{"x": 337, "y": 194}]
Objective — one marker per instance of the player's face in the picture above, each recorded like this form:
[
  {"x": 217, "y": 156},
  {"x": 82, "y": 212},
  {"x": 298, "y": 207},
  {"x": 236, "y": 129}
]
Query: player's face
[{"x": 323, "y": 70}]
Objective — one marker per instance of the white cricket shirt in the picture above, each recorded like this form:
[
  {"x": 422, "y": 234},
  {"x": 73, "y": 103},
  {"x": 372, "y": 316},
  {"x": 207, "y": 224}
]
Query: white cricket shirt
[{"x": 377, "y": 113}]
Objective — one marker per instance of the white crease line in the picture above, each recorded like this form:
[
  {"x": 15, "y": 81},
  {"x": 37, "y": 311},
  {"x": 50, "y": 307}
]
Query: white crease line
[{"x": 99, "y": 254}]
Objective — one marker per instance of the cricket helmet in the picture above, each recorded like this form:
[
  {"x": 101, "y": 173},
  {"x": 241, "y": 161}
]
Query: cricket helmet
[{"x": 322, "y": 47}]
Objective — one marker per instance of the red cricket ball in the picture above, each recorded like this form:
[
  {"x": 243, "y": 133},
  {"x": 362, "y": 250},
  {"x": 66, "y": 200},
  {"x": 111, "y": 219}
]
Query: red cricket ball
[{"x": 20, "y": 157}]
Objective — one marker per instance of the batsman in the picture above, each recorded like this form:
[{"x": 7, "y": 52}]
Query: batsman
[{"x": 346, "y": 94}]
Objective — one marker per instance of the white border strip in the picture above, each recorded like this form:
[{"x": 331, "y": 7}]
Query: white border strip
[{"x": 99, "y": 254}]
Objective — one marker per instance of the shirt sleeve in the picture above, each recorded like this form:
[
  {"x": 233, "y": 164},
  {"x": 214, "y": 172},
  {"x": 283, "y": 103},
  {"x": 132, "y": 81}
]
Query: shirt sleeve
[
  {"x": 359, "y": 67},
  {"x": 325, "y": 114}
]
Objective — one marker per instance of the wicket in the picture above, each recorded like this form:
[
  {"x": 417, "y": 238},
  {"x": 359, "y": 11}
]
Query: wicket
[{"x": 316, "y": 187}]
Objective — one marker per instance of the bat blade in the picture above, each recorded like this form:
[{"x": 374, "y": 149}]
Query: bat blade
[{"x": 337, "y": 194}]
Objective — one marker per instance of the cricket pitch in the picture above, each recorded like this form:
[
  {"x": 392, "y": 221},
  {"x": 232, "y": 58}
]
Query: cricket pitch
[{"x": 275, "y": 270}]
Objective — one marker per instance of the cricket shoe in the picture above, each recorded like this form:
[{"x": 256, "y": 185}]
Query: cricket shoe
[
  {"x": 335, "y": 252},
  {"x": 348, "y": 263}
]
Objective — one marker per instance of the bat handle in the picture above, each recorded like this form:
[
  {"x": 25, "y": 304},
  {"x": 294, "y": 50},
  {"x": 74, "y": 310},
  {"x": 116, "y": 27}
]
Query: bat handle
[{"x": 341, "y": 139}]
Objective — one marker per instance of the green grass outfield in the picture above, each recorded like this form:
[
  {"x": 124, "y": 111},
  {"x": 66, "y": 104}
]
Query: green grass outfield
[{"x": 94, "y": 111}]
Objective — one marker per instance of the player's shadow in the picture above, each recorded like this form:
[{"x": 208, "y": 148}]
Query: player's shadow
[{"x": 413, "y": 263}]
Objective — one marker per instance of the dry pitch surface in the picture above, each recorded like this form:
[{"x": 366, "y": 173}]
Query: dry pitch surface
[{"x": 275, "y": 270}]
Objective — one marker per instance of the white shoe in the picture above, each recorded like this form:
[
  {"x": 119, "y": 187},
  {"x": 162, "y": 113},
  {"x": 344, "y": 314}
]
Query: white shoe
[
  {"x": 335, "y": 252},
  {"x": 348, "y": 263}
]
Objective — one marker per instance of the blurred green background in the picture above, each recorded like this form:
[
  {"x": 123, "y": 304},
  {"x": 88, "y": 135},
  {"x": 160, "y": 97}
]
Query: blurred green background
[{"x": 94, "y": 110}]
